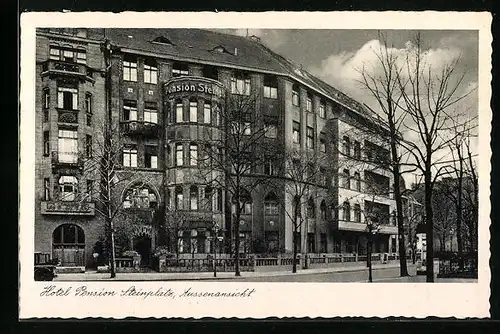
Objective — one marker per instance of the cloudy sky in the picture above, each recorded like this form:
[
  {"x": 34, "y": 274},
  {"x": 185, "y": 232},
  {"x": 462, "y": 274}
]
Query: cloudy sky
[{"x": 336, "y": 56}]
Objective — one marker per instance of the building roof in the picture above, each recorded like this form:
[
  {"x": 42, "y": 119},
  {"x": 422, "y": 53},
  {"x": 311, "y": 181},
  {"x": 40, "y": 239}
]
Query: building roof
[{"x": 226, "y": 49}]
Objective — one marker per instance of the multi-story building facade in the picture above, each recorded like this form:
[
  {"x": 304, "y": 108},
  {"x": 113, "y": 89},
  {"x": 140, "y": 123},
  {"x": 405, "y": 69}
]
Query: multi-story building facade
[{"x": 164, "y": 91}]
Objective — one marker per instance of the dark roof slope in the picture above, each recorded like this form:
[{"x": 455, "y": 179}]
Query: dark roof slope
[{"x": 198, "y": 44}]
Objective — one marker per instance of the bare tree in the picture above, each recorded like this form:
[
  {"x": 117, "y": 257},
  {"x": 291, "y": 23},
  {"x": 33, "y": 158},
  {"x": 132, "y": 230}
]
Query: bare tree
[
  {"x": 429, "y": 98},
  {"x": 381, "y": 81},
  {"x": 240, "y": 157},
  {"x": 301, "y": 176}
]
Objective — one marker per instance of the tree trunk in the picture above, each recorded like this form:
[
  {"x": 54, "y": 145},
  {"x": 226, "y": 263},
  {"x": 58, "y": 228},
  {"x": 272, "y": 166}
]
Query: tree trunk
[
  {"x": 459, "y": 212},
  {"x": 403, "y": 269},
  {"x": 429, "y": 223},
  {"x": 295, "y": 229},
  {"x": 237, "y": 237}
]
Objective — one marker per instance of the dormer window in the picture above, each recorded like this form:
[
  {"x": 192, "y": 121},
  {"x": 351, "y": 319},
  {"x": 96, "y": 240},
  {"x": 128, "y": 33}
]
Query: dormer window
[
  {"x": 221, "y": 49},
  {"x": 162, "y": 40}
]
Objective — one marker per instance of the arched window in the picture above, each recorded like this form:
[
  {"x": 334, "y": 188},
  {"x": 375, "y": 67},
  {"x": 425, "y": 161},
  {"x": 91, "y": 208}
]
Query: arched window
[
  {"x": 179, "y": 198},
  {"x": 193, "y": 198},
  {"x": 140, "y": 197},
  {"x": 209, "y": 193},
  {"x": 245, "y": 202},
  {"x": 311, "y": 209},
  {"x": 346, "y": 208},
  {"x": 322, "y": 208},
  {"x": 68, "y": 187},
  {"x": 271, "y": 204},
  {"x": 357, "y": 213}
]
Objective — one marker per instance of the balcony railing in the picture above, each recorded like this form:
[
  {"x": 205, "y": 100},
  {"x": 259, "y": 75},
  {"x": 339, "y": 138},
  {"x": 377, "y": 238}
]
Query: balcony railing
[
  {"x": 67, "y": 116},
  {"x": 139, "y": 128},
  {"x": 67, "y": 160},
  {"x": 343, "y": 225},
  {"x": 56, "y": 67},
  {"x": 73, "y": 208}
]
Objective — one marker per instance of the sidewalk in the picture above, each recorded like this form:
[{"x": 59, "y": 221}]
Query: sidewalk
[{"x": 190, "y": 276}]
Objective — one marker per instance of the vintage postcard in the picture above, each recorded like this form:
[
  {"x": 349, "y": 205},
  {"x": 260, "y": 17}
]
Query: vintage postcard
[{"x": 255, "y": 165}]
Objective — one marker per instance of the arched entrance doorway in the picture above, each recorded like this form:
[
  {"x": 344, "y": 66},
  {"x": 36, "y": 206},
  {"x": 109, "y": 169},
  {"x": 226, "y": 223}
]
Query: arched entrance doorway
[
  {"x": 68, "y": 245},
  {"x": 142, "y": 245}
]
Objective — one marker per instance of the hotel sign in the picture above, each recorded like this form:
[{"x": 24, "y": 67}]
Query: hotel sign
[
  {"x": 68, "y": 208},
  {"x": 194, "y": 86}
]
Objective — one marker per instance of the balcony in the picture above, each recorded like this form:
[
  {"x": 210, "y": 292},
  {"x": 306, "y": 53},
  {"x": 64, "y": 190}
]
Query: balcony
[
  {"x": 67, "y": 116},
  {"x": 69, "y": 161},
  {"x": 76, "y": 208},
  {"x": 60, "y": 68},
  {"x": 343, "y": 225},
  {"x": 139, "y": 128}
]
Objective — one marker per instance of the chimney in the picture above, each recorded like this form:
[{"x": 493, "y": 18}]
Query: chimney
[
  {"x": 255, "y": 38},
  {"x": 235, "y": 51}
]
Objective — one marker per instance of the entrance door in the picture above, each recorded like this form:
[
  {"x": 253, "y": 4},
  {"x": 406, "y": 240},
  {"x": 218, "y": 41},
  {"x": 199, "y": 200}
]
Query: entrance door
[
  {"x": 68, "y": 245},
  {"x": 142, "y": 245}
]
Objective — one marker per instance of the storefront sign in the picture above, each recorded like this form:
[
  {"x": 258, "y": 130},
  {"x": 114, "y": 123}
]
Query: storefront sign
[
  {"x": 192, "y": 86},
  {"x": 68, "y": 208}
]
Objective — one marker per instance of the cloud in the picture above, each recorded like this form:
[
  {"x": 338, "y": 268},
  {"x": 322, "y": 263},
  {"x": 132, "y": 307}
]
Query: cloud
[{"x": 344, "y": 70}]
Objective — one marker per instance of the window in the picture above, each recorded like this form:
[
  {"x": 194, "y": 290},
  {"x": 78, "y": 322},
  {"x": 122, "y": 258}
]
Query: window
[
  {"x": 322, "y": 209},
  {"x": 129, "y": 69},
  {"x": 88, "y": 146},
  {"x": 90, "y": 188},
  {"x": 67, "y": 98},
  {"x": 55, "y": 54},
  {"x": 393, "y": 245},
  {"x": 270, "y": 167},
  {"x": 245, "y": 203},
  {"x": 179, "y": 155},
  {"x": 295, "y": 96},
  {"x": 218, "y": 200},
  {"x": 150, "y": 72},
  {"x": 309, "y": 103},
  {"x": 150, "y": 113},
  {"x": 88, "y": 109},
  {"x": 270, "y": 131},
  {"x": 193, "y": 198},
  {"x": 46, "y": 98},
  {"x": 322, "y": 243},
  {"x": 322, "y": 145},
  {"x": 68, "y": 146},
  {"x": 179, "y": 198},
  {"x": 150, "y": 157},
  {"x": 311, "y": 209},
  {"x": 46, "y": 143},
  {"x": 296, "y": 132},
  {"x": 46, "y": 189},
  {"x": 129, "y": 110},
  {"x": 180, "y": 70},
  {"x": 68, "y": 55},
  {"x": 209, "y": 197},
  {"x": 322, "y": 110},
  {"x": 68, "y": 187},
  {"x": 130, "y": 157},
  {"x": 311, "y": 243},
  {"x": 270, "y": 88},
  {"x": 346, "y": 146},
  {"x": 193, "y": 154},
  {"x": 140, "y": 197},
  {"x": 310, "y": 137},
  {"x": 349, "y": 246},
  {"x": 193, "y": 111},
  {"x": 81, "y": 57},
  {"x": 217, "y": 114},
  {"x": 346, "y": 209},
  {"x": 357, "y": 213},
  {"x": 240, "y": 84},
  {"x": 207, "y": 113},
  {"x": 322, "y": 176},
  {"x": 357, "y": 179},
  {"x": 179, "y": 112},
  {"x": 210, "y": 72},
  {"x": 357, "y": 150},
  {"x": 271, "y": 204},
  {"x": 346, "y": 179}
]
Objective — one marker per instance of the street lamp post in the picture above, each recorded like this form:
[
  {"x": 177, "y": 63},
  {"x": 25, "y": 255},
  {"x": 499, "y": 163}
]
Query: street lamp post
[
  {"x": 215, "y": 238},
  {"x": 372, "y": 227}
]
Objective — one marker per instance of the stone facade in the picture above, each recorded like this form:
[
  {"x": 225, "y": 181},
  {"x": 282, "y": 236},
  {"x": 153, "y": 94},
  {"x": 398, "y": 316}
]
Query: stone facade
[{"x": 143, "y": 111}]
